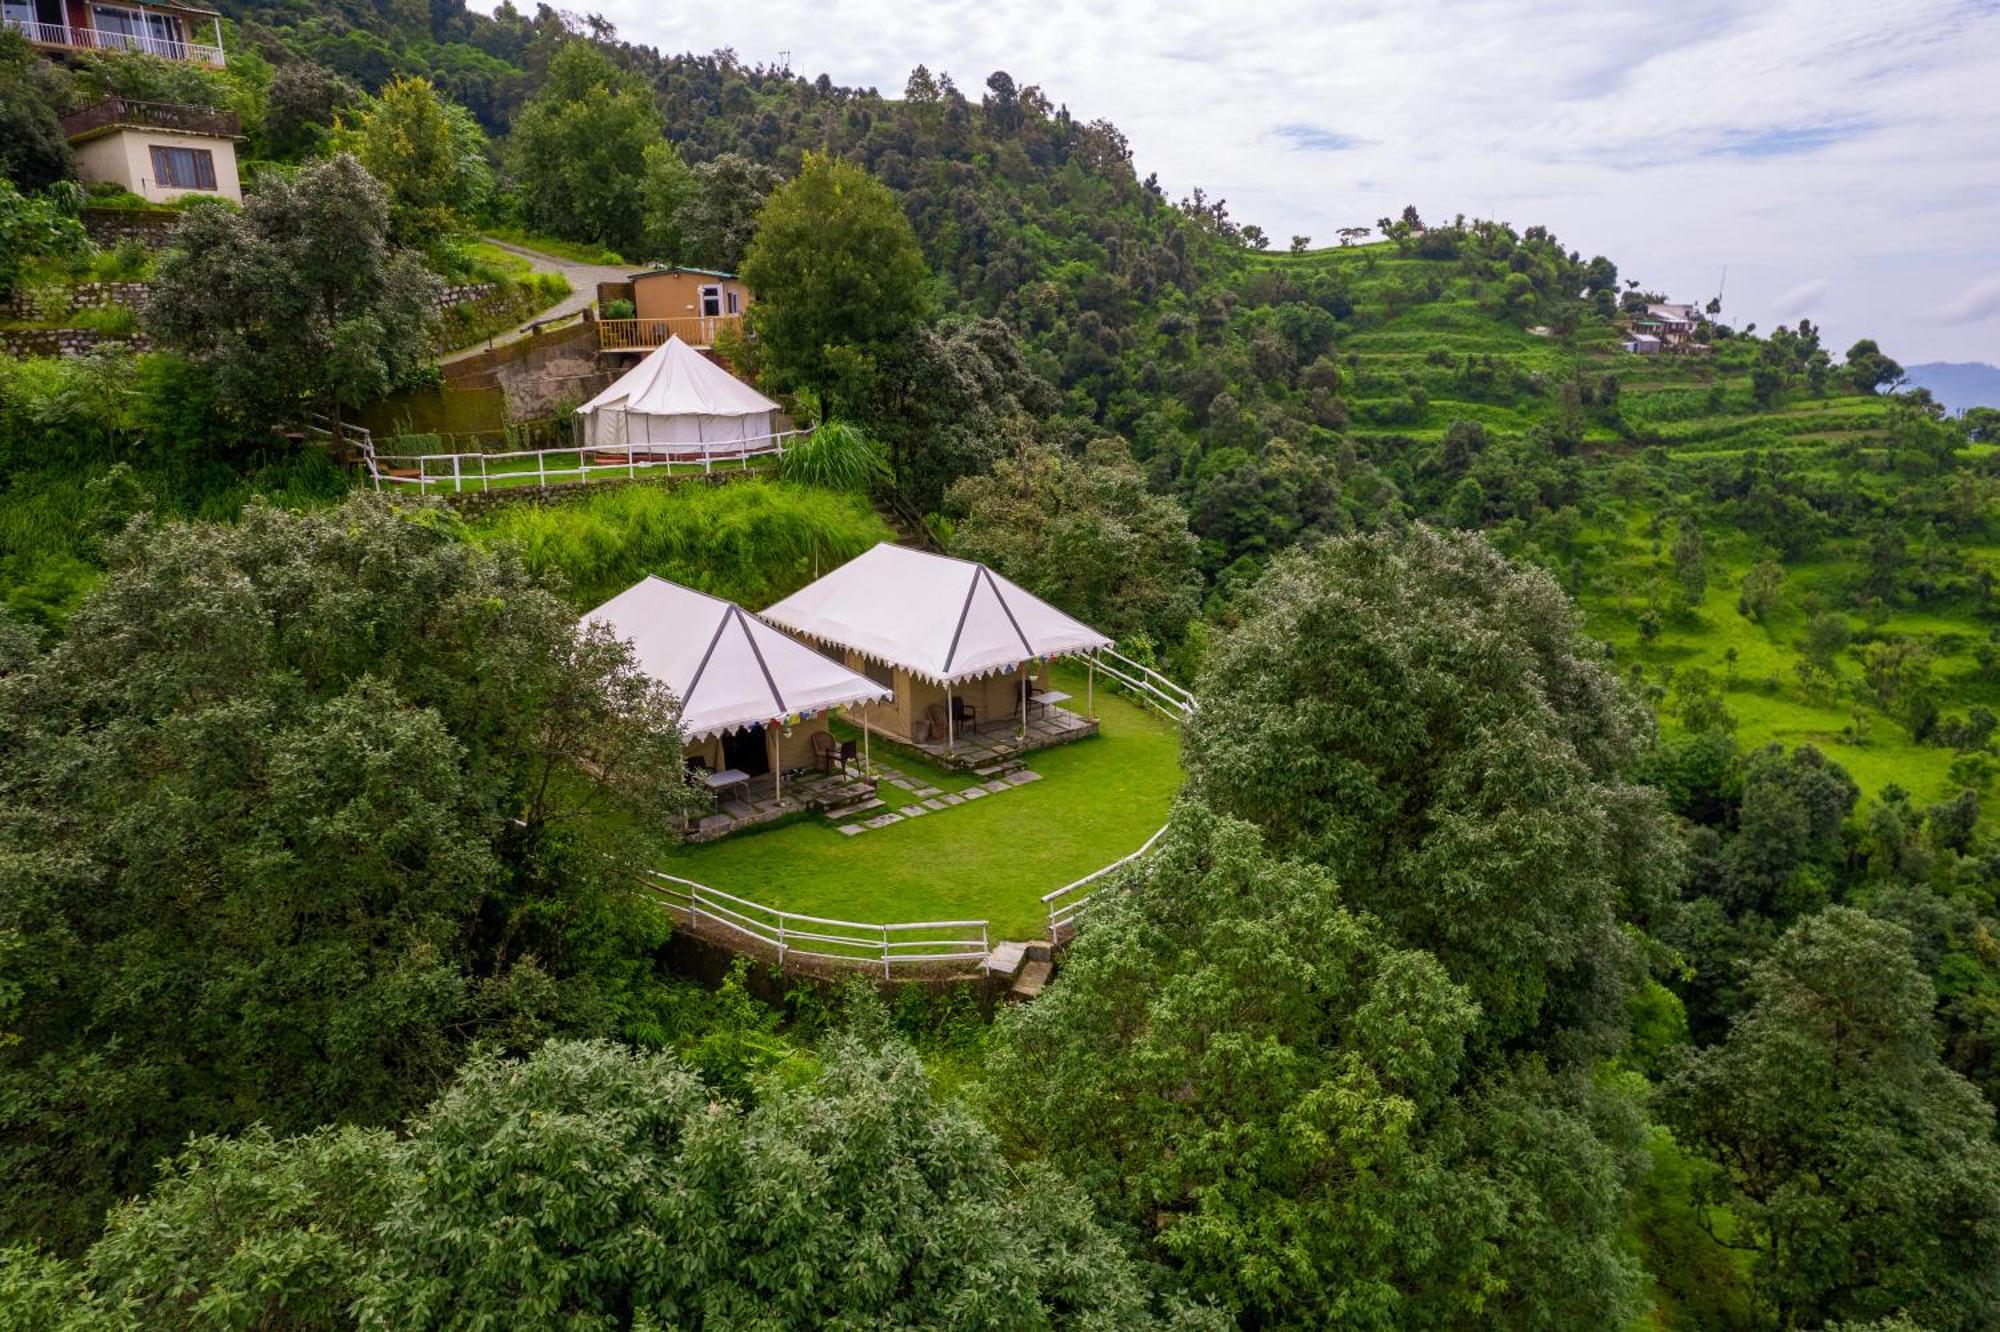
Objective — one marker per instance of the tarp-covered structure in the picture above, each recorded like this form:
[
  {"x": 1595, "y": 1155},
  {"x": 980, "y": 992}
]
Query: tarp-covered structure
[
  {"x": 940, "y": 629},
  {"x": 742, "y": 684},
  {"x": 678, "y": 397}
]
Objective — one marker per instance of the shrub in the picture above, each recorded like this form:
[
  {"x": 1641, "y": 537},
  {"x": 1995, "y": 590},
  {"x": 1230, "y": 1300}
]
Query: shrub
[
  {"x": 752, "y": 542},
  {"x": 837, "y": 456}
]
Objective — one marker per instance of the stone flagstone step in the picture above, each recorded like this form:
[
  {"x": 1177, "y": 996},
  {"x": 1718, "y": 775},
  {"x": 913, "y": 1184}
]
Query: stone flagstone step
[
  {"x": 861, "y": 806},
  {"x": 1034, "y": 976},
  {"x": 1007, "y": 959}
]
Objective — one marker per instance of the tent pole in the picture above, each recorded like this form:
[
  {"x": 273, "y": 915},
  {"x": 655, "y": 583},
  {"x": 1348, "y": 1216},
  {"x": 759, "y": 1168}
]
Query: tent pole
[
  {"x": 1090, "y": 688},
  {"x": 950, "y": 722},
  {"x": 867, "y": 759},
  {"x": 777, "y": 767},
  {"x": 1024, "y": 704}
]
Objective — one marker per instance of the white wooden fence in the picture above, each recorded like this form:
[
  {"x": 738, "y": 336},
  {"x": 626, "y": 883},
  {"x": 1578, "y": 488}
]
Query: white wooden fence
[
  {"x": 457, "y": 473},
  {"x": 792, "y": 934},
  {"x": 1147, "y": 685},
  {"x": 1067, "y": 904}
]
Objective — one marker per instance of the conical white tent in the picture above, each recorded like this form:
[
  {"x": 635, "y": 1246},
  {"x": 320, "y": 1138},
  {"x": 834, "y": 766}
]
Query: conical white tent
[
  {"x": 678, "y": 397},
  {"x": 942, "y": 619},
  {"x": 730, "y": 670}
]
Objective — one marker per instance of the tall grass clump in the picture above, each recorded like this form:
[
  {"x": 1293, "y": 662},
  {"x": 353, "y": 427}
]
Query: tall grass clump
[
  {"x": 752, "y": 541},
  {"x": 838, "y": 456}
]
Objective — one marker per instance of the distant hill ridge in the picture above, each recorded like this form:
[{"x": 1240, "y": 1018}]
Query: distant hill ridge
[{"x": 1958, "y": 384}]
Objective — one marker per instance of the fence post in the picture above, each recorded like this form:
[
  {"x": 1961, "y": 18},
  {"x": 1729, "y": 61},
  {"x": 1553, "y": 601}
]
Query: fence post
[
  {"x": 885, "y": 952},
  {"x": 456, "y": 484},
  {"x": 541, "y": 469},
  {"x": 781, "y": 943}
]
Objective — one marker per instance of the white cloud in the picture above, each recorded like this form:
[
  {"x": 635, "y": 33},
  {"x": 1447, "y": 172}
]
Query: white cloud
[
  {"x": 1981, "y": 301},
  {"x": 1787, "y": 142},
  {"x": 1802, "y": 299}
]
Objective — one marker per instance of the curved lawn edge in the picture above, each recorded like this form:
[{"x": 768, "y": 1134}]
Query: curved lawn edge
[{"x": 993, "y": 859}]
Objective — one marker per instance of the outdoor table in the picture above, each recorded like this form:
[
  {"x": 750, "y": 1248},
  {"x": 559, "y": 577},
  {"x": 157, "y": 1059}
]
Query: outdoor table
[
  {"x": 1044, "y": 697},
  {"x": 728, "y": 777}
]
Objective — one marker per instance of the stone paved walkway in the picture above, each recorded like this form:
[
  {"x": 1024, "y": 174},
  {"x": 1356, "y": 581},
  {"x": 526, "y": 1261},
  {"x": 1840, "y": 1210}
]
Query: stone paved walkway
[{"x": 928, "y": 799}]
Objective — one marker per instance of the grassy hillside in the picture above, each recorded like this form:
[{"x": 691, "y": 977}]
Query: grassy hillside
[{"x": 1868, "y": 510}]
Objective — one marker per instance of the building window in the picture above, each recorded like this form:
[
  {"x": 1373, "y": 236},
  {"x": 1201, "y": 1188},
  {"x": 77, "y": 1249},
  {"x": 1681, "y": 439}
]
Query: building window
[
  {"x": 735, "y": 306},
  {"x": 184, "y": 168},
  {"x": 711, "y": 302}
]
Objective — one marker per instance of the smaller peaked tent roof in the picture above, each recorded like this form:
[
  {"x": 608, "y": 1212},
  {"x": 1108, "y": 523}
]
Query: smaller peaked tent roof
[
  {"x": 729, "y": 669},
  {"x": 676, "y": 380},
  {"x": 942, "y": 619}
]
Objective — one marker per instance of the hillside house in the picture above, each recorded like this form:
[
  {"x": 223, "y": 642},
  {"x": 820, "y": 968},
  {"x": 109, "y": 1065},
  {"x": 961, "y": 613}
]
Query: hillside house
[
  {"x": 692, "y": 304},
  {"x": 170, "y": 31},
  {"x": 157, "y": 150}
]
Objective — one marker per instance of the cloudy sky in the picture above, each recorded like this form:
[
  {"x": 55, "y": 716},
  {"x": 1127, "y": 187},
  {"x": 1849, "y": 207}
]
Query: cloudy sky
[{"x": 1840, "y": 160}]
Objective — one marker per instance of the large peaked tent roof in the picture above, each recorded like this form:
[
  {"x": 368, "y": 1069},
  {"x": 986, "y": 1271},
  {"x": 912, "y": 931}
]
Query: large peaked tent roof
[
  {"x": 942, "y": 619},
  {"x": 677, "y": 380},
  {"x": 729, "y": 669}
]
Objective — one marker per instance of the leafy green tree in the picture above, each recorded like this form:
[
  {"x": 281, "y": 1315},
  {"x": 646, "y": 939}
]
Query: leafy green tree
[
  {"x": 591, "y": 1187},
  {"x": 1861, "y": 1173},
  {"x": 1086, "y": 534},
  {"x": 720, "y": 216},
  {"x": 34, "y": 151},
  {"x": 37, "y": 226},
  {"x": 579, "y": 151},
  {"x": 429, "y": 153},
  {"x": 1428, "y": 722},
  {"x": 296, "y": 809},
  {"x": 1270, "y": 1094},
  {"x": 1869, "y": 370},
  {"x": 1690, "y": 563},
  {"x": 301, "y": 108},
  {"x": 838, "y": 277},
  {"x": 952, "y": 398},
  {"x": 1761, "y": 586},
  {"x": 299, "y": 302},
  {"x": 668, "y": 187}
]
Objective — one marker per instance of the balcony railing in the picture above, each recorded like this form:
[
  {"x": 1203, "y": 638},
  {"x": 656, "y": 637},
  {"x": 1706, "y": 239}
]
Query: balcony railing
[
  {"x": 93, "y": 39},
  {"x": 151, "y": 115},
  {"x": 646, "y": 334}
]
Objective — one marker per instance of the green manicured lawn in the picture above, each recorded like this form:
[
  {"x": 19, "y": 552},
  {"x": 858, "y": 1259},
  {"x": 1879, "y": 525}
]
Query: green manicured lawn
[{"x": 987, "y": 859}]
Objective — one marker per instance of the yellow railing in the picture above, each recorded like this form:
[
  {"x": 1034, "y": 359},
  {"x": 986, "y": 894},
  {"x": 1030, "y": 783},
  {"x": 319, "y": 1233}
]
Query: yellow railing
[{"x": 645, "y": 334}]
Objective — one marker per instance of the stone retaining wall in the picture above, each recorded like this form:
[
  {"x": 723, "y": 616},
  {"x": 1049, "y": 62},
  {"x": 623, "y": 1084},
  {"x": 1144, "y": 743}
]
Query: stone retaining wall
[
  {"x": 109, "y": 226},
  {"x": 464, "y": 292},
  {"x": 27, "y": 342},
  {"x": 82, "y": 296}
]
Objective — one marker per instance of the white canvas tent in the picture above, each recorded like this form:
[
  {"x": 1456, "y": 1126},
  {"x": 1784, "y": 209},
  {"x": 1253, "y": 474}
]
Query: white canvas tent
[
  {"x": 730, "y": 670},
  {"x": 943, "y": 621},
  {"x": 679, "y": 397}
]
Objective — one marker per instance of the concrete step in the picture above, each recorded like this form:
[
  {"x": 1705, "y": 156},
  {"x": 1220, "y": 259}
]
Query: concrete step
[
  {"x": 1030, "y": 982},
  {"x": 1007, "y": 959},
  {"x": 1002, "y": 768}
]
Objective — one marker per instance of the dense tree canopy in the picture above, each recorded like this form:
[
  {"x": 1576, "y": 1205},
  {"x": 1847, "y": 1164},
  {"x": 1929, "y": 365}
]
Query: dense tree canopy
[
  {"x": 589, "y": 1187},
  {"x": 1423, "y": 718},
  {"x": 295, "y": 809},
  {"x": 838, "y": 277},
  {"x": 579, "y": 151},
  {"x": 428, "y": 153},
  {"x": 300, "y": 302},
  {"x": 1087, "y": 535},
  {"x": 1862, "y": 1174},
  {"x": 1269, "y": 1093}
]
